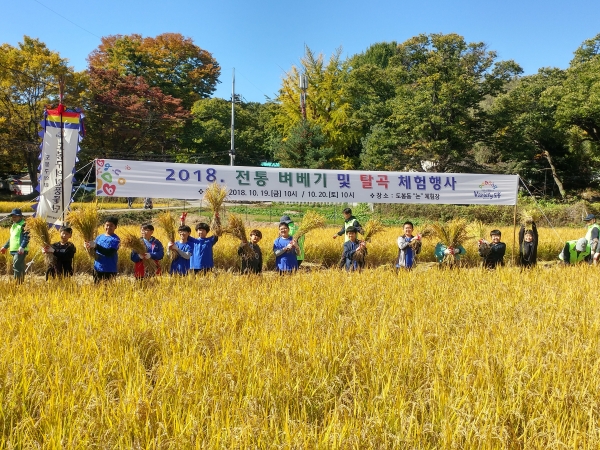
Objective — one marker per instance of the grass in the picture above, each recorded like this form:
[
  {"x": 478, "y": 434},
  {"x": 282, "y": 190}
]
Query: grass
[{"x": 426, "y": 359}]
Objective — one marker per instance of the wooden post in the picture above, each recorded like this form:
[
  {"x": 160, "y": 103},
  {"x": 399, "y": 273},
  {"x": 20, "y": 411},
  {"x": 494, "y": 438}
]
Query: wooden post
[{"x": 514, "y": 234}]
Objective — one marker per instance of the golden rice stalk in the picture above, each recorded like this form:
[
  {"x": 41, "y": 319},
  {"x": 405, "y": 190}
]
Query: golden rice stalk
[
  {"x": 215, "y": 195},
  {"x": 311, "y": 221},
  {"x": 371, "y": 228},
  {"x": 452, "y": 234},
  {"x": 166, "y": 221},
  {"x": 136, "y": 244},
  {"x": 85, "y": 221},
  {"x": 477, "y": 230},
  {"x": 41, "y": 234},
  {"x": 528, "y": 216},
  {"x": 236, "y": 228}
]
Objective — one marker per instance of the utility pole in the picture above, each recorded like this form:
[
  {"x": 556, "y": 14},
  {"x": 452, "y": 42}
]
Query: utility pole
[
  {"x": 232, "y": 150},
  {"x": 303, "y": 88}
]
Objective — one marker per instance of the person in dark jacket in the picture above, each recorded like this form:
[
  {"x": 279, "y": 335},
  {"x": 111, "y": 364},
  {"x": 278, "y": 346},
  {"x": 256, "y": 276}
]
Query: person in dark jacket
[
  {"x": 252, "y": 262},
  {"x": 349, "y": 221},
  {"x": 528, "y": 243},
  {"x": 493, "y": 252},
  {"x": 353, "y": 260},
  {"x": 64, "y": 252}
]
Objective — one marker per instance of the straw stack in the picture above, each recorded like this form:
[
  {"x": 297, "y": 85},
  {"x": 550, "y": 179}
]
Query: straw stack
[
  {"x": 85, "y": 221},
  {"x": 136, "y": 244},
  {"x": 40, "y": 233},
  {"x": 311, "y": 221},
  {"x": 166, "y": 221},
  {"x": 215, "y": 195},
  {"x": 236, "y": 228}
]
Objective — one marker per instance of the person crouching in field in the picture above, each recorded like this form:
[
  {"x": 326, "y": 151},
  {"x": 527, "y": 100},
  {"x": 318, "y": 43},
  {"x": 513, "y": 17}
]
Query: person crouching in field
[
  {"x": 576, "y": 252},
  {"x": 354, "y": 251},
  {"x": 252, "y": 261},
  {"x": 106, "y": 248},
  {"x": 493, "y": 252},
  {"x": 448, "y": 257},
  {"x": 409, "y": 247},
  {"x": 528, "y": 243},
  {"x": 64, "y": 252},
  {"x": 184, "y": 249},
  {"x": 286, "y": 249},
  {"x": 202, "y": 260},
  {"x": 154, "y": 251}
]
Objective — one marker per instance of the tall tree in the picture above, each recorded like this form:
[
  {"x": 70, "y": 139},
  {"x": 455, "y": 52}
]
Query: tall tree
[
  {"x": 169, "y": 61},
  {"x": 436, "y": 113},
  {"x": 127, "y": 118},
  {"x": 29, "y": 78},
  {"x": 326, "y": 105}
]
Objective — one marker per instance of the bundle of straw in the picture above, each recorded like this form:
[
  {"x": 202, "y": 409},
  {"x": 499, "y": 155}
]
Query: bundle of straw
[
  {"x": 236, "y": 228},
  {"x": 40, "y": 233},
  {"x": 528, "y": 216},
  {"x": 371, "y": 228},
  {"x": 311, "y": 221},
  {"x": 215, "y": 195},
  {"x": 85, "y": 221},
  {"x": 477, "y": 230},
  {"x": 136, "y": 244},
  {"x": 451, "y": 234},
  {"x": 166, "y": 221}
]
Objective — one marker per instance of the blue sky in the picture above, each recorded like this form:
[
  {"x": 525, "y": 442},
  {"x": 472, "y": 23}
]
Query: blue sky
[{"x": 263, "y": 39}]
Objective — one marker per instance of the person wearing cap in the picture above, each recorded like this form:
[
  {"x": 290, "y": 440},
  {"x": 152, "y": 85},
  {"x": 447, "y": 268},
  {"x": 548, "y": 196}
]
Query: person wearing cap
[
  {"x": 293, "y": 229},
  {"x": 576, "y": 251},
  {"x": 494, "y": 254},
  {"x": 592, "y": 236},
  {"x": 17, "y": 244},
  {"x": 352, "y": 260}
]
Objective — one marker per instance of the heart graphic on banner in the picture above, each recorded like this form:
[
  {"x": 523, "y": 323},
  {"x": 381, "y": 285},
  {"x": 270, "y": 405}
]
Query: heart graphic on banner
[
  {"x": 100, "y": 162},
  {"x": 106, "y": 176},
  {"x": 109, "y": 189}
]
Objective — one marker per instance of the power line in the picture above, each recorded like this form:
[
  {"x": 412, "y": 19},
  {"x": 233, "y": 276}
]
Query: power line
[{"x": 68, "y": 20}]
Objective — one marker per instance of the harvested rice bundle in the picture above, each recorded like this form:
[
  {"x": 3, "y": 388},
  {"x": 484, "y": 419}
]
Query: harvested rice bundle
[
  {"x": 371, "y": 228},
  {"x": 236, "y": 228},
  {"x": 311, "y": 221},
  {"x": 452, "y": 235},
  {"x": 477, "y": 230},
  {"x": 528, "y": 216},
  {"x": 40, "y": 233},
  {"x": 85, "y": 221},
  {"x": 215, "y": 196},
  {"x": 166, "y": 221},
  {"x": 136, "y": 244}
]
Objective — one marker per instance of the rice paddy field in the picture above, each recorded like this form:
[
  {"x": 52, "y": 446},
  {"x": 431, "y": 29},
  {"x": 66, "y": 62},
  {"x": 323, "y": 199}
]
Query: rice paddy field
[{"x": 427, "y": 359}]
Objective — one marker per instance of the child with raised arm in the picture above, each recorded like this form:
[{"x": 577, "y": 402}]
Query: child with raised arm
[
  {"x": 64, "y": 252},
  {"x": 106, "y": 247},
  {"x": 184, "y": 248},
  {"x": 285, "y": 249},
  {"x": 528, "y": 243},
  {"x": 409, "y": 247},
  {"x": 252, "y": 262},
  {"x": 202, "y": 260},
  {"x": 351, "y": 261},
  {"x": 154, "y": 251}
]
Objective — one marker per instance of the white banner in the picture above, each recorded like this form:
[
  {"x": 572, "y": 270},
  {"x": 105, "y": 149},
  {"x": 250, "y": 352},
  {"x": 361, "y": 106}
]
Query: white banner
[
  {"x": 117, "y": 178},
  {"x": 57, "y": 164}
]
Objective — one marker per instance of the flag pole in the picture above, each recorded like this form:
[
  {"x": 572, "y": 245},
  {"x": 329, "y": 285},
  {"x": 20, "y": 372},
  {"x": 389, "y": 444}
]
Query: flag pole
[{"x": 61, "y": 108}]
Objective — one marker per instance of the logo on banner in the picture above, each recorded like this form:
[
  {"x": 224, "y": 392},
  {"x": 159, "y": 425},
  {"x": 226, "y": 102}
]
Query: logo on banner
[
  {"x": 108, "y": 178},
  {"x": 488, "y": 190}
]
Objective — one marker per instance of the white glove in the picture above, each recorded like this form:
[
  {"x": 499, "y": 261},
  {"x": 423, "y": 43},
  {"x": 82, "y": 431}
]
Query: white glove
[
  {"x": 147, "y": 255},
  {"x": 447, "y": 252},
  {"x": 170, "y": 244},
  {"x": 456, "y": 251},
  {"x": 92, "y": 244},
  {"x": 21, "y": 250},
  {"x": 48, "y": 249}
]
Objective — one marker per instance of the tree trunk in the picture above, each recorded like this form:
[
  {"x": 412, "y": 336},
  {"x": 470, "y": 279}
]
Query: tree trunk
[{"x": 561, "y": 189}]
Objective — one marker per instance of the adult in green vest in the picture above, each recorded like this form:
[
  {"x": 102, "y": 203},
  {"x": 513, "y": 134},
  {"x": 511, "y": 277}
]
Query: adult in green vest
[
  {"x": 576, "y": 252},
  {"x": 592, "y": 235},
  {"x": 293, "y": 229},
  {"x": 17, "y": 244}
]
